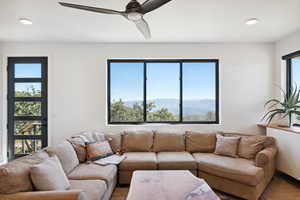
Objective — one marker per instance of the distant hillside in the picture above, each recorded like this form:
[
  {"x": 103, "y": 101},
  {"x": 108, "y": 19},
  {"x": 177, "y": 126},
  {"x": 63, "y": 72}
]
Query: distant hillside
[{"x": 191, "y": 107}]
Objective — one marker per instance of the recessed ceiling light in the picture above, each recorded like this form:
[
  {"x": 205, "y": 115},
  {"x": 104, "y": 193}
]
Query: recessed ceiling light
[
  {"x": 25, "y": 21},
  {"x": 251, "y": 21}
]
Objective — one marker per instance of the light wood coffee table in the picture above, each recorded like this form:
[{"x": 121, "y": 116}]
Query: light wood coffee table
[{"x": 169, "y": 185}]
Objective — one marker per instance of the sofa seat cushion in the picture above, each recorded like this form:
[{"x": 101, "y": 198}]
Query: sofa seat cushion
[
  {"x": 236, "y": 169},
  {"x": 94, "y": 172},
  {"x": 176, "y": 161},
  {"x": 139, "y": 161},
  {"x": 92, "y": 189}
]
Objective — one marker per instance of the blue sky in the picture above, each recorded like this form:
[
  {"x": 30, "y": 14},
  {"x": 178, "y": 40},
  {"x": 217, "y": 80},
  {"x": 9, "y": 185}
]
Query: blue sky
[
  {"x": 27, "y": 70},
  {"x": 126, "y": 81},
  {"x": 296, "y": 71},
  {"x": 162, "y": 81}
]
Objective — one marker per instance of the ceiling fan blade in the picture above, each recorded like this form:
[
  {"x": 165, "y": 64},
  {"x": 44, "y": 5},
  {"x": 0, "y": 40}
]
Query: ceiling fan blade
[
  {"x": 143, "y": 27},
  {"x": 150, "y": 5},
  {"x": 92, "y": 9}
]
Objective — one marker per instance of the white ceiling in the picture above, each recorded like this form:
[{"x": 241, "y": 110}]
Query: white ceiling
[{"x": 177, "y": 21}]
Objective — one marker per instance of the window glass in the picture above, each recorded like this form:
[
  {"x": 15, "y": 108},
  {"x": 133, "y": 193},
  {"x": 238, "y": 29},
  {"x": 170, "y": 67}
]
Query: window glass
[
  {"x": 28, "y": 89},
  {"x": 163, "y": 91},
  {"x": 28, "y": 108},
  {"x": 27, "y": 146},
  {"x": 127, "y": 84},
  {"x": 31, "y": 70},
  {"x": 173, "y": 91},
  {"x": 199, "y": 92},
  {"x": 296, "y": 71},
  {"x": 27, "y": 127}
]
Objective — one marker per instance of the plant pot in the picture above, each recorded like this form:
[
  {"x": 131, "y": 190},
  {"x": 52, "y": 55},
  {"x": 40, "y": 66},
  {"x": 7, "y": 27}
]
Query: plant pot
[{"x": 285, "y": 122}]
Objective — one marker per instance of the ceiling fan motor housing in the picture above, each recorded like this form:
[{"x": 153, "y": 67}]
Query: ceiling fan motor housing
[{"x": 133, "y": 6}]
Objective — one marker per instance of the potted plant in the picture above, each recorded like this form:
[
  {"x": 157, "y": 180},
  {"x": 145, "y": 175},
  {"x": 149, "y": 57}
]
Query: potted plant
[{"x": 286, "y": 108}]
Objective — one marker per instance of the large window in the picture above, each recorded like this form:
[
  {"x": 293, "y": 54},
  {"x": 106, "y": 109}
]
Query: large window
[
  {"x": 293, "y": 75},
  {"x": 27, "y": 105},
  {"x": 163, "y": 91}
]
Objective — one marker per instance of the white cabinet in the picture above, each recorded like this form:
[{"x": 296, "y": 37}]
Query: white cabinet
[{"x": 288, "y": 159}]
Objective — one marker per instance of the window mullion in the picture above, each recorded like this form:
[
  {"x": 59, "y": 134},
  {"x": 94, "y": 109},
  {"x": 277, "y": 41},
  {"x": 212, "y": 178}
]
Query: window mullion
[
  {"x": 180, "y": 93},
  {"x": 145, "y": 92}
]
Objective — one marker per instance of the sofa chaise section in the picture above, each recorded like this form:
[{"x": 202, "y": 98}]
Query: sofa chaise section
[
  {"x": 238, "y": 176},
  {"x": 236, "y": 169}
]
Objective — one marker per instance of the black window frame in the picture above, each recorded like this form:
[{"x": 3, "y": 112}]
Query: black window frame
[
  {"x": 289, "y": 82},
  {"x": 11, "y": 99},
  {"x": 180, "y": 61}
]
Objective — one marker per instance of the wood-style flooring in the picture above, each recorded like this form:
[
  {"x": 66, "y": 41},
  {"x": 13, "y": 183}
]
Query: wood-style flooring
[{"x": 282, "y": 187}]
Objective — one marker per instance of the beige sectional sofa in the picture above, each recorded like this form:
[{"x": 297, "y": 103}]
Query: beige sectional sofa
[{"x": 246, "y": 178}]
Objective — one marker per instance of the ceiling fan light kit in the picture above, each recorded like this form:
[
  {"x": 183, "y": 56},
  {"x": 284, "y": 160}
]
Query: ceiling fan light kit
[{"x": 134, "y": 12}]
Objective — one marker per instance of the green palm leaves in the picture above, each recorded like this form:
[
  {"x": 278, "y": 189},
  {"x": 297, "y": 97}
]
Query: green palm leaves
[{"x": 286, "y": 108}]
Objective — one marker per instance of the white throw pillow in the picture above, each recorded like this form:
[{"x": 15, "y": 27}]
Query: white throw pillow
[{"x": 49, "y": 175}]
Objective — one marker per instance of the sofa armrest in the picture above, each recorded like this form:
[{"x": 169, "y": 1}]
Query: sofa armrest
[
  {"x": 265, "y": 156},
  {"x": 45, "y": 195}
]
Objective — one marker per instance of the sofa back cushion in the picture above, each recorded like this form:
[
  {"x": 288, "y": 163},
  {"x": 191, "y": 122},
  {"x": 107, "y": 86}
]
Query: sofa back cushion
[
  {"x": 49, "y": 175},
  {"x": 66, "y": 154},
  {"x": 200, "y": 142},
  {"x": 137, "y": 141},
  {"x": 250, "y": 145},
  {"x": 115, "y": 141},
  {"x": 168, "y": 142},
  {"x": 15, "y": 175}
]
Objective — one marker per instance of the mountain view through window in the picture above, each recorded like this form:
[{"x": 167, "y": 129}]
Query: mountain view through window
[{"x": 163, "y": 91}]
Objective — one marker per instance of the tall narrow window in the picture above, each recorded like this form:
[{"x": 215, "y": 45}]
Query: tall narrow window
[
  {"x": 163, "y": 91},
  {"x": 27, "y": 105},
  {"x": 293, "y": 75}
]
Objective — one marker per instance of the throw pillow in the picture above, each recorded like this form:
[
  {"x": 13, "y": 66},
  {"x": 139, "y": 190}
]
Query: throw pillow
[
  {"x": 250, "y": 145},
  {"x": 79, "y": 147},
  {"x": 98, "y": 150},
  {"x": 227, "y": 146},
  {"x": 115, "y": 141},
  {"x": 49, "y": 175}
]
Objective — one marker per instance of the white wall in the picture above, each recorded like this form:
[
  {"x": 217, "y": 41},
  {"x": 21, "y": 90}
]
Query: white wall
[
  {"x": 77, "y": 82},
  {"x": 1, "y": 106},
  {"x": 285, "y": 46}
]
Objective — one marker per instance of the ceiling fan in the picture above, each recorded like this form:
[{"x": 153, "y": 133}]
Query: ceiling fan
[{"x": 134, "y": 12}]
